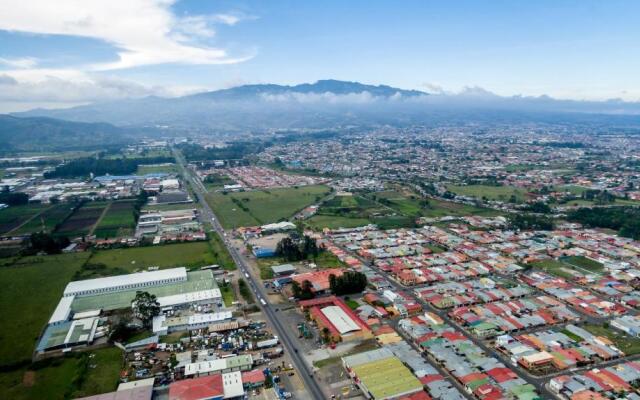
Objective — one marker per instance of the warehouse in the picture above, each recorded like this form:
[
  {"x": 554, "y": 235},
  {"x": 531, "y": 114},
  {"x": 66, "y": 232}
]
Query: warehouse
[
  {"x": 140, "y": 280},
  {"x": 163, "y": 325},
  {"x": 381, "y": 375},
  {"x": 220, "y": 365},
  {"x": 341, "y": 322}
]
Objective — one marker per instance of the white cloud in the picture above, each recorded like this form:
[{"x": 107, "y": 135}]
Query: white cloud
[
  {"x": 24, "y": 62},
  {"x": 145, "y": 32},
  {"x": 326, "y": 97},
  {"x": 25, "y": 89}
]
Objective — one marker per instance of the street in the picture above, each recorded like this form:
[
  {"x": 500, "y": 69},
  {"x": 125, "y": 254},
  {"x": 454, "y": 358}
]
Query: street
[{"x": 262, "y": 300}]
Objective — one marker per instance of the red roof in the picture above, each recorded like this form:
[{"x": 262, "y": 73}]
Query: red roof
[
  {"x": 199, "y": 388},
  {"x": 501, "y": 374},
  {"x": 318, "y": 279},
  {"x": 254, "y": 376}
]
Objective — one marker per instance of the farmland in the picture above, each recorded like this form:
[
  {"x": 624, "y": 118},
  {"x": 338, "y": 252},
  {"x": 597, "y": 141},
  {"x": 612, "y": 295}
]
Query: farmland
[
  {"x": 263, "y": 206},
  {"x": 118, "y": 220},
  {"x": 47, "y": 220},
  {"x": 35, "y": 283},
  {"x": 502, "y": 193},
  {"x": 67, "y": 377},
  {"x": 13, "y": 217},
  {"x": 82, "y": 220},
  {"x": 190, "y": 255},
  {"x": 388, "y": 209},
  {"x": 168, "y": 168}
]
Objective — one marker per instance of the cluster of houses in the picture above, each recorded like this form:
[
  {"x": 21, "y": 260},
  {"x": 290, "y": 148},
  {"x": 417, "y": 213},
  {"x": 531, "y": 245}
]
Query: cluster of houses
[{"x": 557, "y": 349}]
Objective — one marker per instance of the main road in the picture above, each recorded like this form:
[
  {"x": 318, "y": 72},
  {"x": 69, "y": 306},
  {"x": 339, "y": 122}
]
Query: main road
[{"x": 284, "y": 334}]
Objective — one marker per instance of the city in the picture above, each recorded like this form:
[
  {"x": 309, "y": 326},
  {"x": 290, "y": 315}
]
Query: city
[{"x": 313, "y": 238}]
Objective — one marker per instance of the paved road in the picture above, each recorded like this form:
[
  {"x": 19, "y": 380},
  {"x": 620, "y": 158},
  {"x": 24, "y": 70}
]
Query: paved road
[{"x": 289, "y": 342}]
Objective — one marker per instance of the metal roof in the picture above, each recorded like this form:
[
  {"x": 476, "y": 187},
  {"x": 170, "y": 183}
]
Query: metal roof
[
  {"x": 340, "y": 319},
  {"x": 126, "y": 281}
]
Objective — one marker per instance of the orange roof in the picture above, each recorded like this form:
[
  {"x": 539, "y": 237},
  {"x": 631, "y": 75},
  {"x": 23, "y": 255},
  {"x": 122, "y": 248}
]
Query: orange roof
[{"x": 199, "y": 388}]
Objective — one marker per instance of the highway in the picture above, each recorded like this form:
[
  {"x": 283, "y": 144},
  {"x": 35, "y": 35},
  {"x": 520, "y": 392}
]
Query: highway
[{"x": 283, "y": 333}]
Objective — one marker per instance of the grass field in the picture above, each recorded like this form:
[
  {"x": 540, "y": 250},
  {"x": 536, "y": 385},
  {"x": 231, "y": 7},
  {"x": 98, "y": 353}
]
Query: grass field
[
  {"x": 30, "y": 292},
  {"x": 191, "y": 255},
  {"x": 334, "y": 222},
  {"x": 629, "y": 345},
  {"x": 100, "y": 370},
  {"x": 168, "y": 168},
  {"x": 395, "y": 208},
  {"x": 47, "y": 220},
  {"x": 82, "y": 220},
  {"x": 12, "y": 217},
  {"x": 502, "y": 193},
  {"x": 228, "y": 296},
  {"x": 554, "y": 267},
  {"x": 584, "y": 263},
  {"x": 263, "y": 206},
  {"x": 118, "y": 221}
]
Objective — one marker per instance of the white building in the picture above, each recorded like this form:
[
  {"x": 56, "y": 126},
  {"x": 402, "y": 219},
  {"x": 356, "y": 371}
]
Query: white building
[{"x": 140, "y": 280}]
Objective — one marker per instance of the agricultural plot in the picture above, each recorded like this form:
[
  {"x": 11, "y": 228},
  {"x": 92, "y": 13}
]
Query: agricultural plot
[
  {"x": 168, "y": 168},
  {"x": 263, "y": 206},
  {"x": 12, "y": 217},
  {"x": 82, "y": 220},
  {"x": 501, "y": 193},
  {"x": 31, "y": 289},
  {"x": 118, "y": 221},
  {"x": 47, "y": 220},
  {"x": 191, "y": 255},
  {"x": 68, "y": 377}
]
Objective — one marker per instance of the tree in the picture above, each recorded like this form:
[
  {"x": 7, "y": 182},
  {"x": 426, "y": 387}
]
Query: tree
[
  {"x": 41, "y": 241},
  {"x": 350, "y": 282},
  {"x": 304, "y": 292},
  {"x": 145, "y": 307}
]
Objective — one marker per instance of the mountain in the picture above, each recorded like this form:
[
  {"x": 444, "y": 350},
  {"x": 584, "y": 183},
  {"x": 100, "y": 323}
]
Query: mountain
[
  {"x": 335, "y": 104},
  {"x": 46, "y": 134}
]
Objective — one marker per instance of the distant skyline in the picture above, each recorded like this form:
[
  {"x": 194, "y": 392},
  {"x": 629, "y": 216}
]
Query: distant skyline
[{"x": 65, "y": 53}]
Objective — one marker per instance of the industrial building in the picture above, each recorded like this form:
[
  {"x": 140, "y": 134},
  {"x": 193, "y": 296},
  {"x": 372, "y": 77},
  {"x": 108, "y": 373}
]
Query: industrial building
[
  {"x": 340, "y": 321},
  {"x": 381, "y": 375}
]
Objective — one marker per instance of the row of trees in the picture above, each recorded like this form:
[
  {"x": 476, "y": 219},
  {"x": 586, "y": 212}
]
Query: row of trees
[
  {"x": 626, "y": 220},
  {"x": 103, "y": 166},
  {"x": 13, "y": 198},
  {"x": 292, "y": 249},
  {"x": 348, "y": 283}
]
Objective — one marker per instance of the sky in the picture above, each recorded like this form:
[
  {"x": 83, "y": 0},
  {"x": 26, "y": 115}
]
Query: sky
[{"x": 68, "y": 52}]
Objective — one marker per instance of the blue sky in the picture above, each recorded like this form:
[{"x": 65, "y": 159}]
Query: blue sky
[{"x": 65, "y": 53}]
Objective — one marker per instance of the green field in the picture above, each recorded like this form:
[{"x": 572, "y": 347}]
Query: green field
[
  {"x": 557, "y": 268},
  {"x": 228, "y": 295},
  {"x": 30, "y": 292},
  {"x": 584, "y": 263},
  {"x": 47, "y": 220},
  {"x": 119, "y": 221},
  {"x": 12, "y": 217},
  {"x": 74, "y": 376},
  {"x": 502, "y": 193},
  {"x": 325, "y": 259},
  {"x": 263, "y": 206},
  {"x": 191, "y": 255},
  {"x": 629, "y": 345},
  {"x": 334, "y": 222},
  {"x": 389, "y": 209},
  {"x": 168, "y": 168}
]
